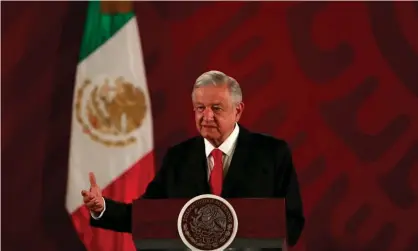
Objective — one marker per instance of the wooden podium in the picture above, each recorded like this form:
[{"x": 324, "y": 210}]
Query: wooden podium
[{"x": 262, "y": 223}]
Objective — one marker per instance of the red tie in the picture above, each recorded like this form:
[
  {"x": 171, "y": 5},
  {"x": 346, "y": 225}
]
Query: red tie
[{"x": 216, "y": 176}]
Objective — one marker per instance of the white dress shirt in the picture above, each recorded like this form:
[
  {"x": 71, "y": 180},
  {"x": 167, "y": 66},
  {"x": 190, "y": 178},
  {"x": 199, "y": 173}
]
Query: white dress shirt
[{"x": 227, "y": 148}]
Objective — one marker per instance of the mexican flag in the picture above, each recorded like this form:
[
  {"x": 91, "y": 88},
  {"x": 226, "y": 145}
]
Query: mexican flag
[{"x": 112, "y": 134}]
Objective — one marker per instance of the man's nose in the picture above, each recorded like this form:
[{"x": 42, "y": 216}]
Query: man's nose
[{"x": 208, "y": 114}]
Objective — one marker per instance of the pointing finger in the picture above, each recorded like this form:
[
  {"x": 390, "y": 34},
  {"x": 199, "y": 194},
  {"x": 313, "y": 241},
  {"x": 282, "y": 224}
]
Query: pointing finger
[{"x": 92, "y": 179}]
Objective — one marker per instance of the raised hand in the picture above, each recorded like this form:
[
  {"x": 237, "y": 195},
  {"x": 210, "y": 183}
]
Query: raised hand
[{"x": 93, "y": 198}]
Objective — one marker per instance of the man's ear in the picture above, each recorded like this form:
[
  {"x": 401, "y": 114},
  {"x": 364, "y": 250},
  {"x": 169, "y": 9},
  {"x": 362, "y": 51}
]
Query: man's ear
[{"x": 239, "y": 110}]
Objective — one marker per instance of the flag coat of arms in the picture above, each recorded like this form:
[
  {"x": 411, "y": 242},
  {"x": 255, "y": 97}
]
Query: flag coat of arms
[{"x": 111, "y": 131}]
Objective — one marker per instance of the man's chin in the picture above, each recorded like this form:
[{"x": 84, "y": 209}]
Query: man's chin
[{"x": 209, "y": 132}]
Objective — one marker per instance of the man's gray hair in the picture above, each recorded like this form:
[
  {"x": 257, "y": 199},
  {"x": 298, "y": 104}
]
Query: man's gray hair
[{"x": 220, "y": 78}]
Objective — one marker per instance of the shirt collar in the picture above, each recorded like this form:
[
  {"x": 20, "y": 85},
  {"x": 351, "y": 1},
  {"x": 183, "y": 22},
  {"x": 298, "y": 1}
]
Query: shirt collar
[{"x": 227, "y": 146}]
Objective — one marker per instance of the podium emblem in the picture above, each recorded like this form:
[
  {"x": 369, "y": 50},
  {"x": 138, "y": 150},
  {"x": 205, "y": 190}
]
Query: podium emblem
[{"x": 207, "y": 222}]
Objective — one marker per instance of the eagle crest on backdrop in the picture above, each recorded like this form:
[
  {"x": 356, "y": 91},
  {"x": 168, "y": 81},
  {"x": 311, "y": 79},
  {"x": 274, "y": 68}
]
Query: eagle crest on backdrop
[{"x": 110, "y": 111}]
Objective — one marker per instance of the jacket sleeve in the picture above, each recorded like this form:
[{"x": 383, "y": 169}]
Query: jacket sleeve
[
  {"x": 288, "y": 187},
  {"x": 118, "y": 215}
]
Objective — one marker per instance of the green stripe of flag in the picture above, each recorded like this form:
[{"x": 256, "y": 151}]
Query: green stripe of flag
[{"x": 99, "y": 27}]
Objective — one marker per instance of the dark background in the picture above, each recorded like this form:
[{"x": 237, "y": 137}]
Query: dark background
[{"x": 338, "y": 81}]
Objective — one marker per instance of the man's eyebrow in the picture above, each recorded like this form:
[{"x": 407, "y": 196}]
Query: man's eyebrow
[{"x": 214, "y": 104}]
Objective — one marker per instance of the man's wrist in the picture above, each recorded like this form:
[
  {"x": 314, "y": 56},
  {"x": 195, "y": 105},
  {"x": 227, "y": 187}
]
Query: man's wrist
[{"x": 97, "y": 216}]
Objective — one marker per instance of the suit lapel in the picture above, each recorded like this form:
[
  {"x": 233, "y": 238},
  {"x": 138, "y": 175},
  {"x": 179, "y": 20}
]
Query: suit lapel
[
  {"x": 237, "y": 169},
  {"x": 197, "y": 165}
]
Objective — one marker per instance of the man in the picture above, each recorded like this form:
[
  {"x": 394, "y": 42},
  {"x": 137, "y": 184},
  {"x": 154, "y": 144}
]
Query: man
[{"x": 226, "y": 159}]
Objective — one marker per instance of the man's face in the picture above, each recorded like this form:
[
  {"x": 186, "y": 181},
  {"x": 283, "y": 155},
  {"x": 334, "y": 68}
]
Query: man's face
[{"x": 215, "y": 113}]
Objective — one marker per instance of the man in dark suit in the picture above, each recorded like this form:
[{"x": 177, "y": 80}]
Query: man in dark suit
[{"x": 226, "y": 159}]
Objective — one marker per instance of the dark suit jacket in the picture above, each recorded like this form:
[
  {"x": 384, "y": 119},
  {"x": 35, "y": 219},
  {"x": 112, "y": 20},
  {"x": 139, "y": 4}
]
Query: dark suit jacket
[{"x": 261, "y": 167}]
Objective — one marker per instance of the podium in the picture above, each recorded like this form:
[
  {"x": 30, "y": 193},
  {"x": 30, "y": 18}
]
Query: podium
[{"x": 261, "y": 223}]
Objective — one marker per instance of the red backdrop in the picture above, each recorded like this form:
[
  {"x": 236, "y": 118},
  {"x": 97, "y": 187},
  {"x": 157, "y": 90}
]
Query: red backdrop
[{"x": 339, "y": 81}]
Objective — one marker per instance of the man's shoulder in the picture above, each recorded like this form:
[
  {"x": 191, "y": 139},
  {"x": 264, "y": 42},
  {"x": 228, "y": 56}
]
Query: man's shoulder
[
  {"x": 267, "y": 140},
  {"x": 189, "y": 143}
]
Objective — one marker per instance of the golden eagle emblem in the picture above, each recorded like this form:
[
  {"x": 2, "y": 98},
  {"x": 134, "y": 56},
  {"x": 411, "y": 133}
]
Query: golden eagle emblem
[{"x": 110, "y": 112}]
